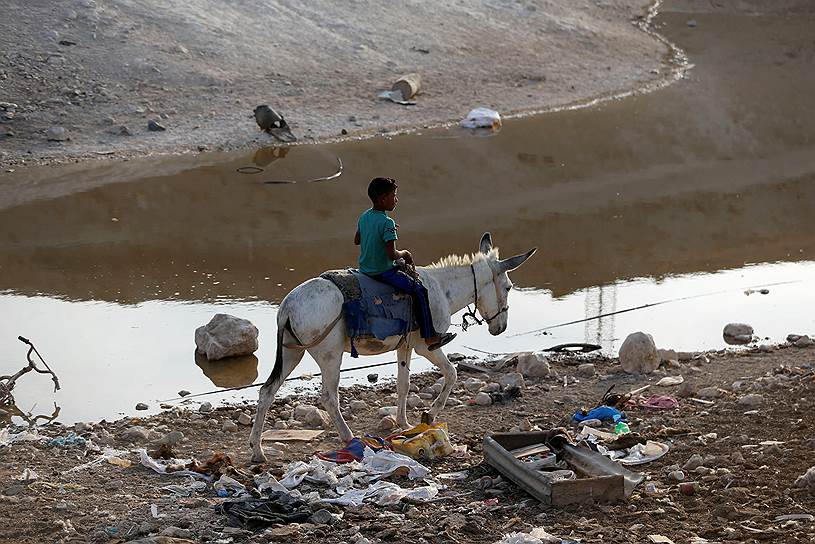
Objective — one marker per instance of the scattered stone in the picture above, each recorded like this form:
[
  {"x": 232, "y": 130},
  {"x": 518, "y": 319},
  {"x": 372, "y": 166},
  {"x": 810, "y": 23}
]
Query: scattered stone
[
  {"x": 82, "y": 427},
  {"x": 638, "y": 354},
  {"x": 121, "y": 130},
  {"x": 226, "y": 336},
  {"x": 666, "y": 355},
  {"x": 173, "y": 438},
  {"x": 453, "y": 401},
  {"x": 244, "y": 419},
  {"x": 155, "y": 126},
  {"x": 141, "y": 406},
  {"x": 415, "y": 401},
  {"x": 792, "y": 338},
  {"x": 373, "y": 378},
  {"x": 280, "y": 424},
  {"x": 533, "y": 365},
  {"x": 512, "y": 379},
  {"x": 229, "y": 426},
  {"x": 708, "y": 393},
  {"x": 692, "y": 23},
  {"x": 358, "y": 405},
  {"x": 322, "y": 517},
  {"x": 483, "y": 399},
  {"x": 387, "y": 423},
  {"x": 676, "y": 475},
  {"x": 737, "y": 458},
  {"x": 737, "y": 333},
  {"x": 807, "y": 480},
  {"x": 586, "y": 370},
  {"x": 693, "y": 463},
  {"x": 751, "y": 400},
  {"x": 474, "y": 384},
  {"x": 184, "y": 393},
  {"x": 57, "y": 134},
  {"x": 136, "y": 433},
  {"x": 491, "y": 387},
  {"x": 765, "y": 348},
  {"x": 804, "y": 342},
  {"x": 686, "y": 389},
  {"x": 205, "y": 408},
  {"x": 387, "y": 411}
]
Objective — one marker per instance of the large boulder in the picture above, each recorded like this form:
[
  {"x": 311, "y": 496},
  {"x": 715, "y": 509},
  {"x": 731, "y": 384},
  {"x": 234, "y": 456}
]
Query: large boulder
[
  {"x": 533, "y": 365},
  {"x": 226, "y": 336},
  {"x": 638, "y": 354}
]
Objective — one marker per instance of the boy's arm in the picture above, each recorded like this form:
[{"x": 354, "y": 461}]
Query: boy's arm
[
  {"x": 357, "y": 239},
  {"x": 393, "y": 253}
]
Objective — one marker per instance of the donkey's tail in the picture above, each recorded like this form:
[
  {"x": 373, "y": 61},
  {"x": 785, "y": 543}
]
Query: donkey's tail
[{"x": 282, "y": 326}]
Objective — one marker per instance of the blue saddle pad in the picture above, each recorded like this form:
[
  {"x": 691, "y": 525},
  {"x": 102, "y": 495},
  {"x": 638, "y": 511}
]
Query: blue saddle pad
[{"x": 376, "y": 310}]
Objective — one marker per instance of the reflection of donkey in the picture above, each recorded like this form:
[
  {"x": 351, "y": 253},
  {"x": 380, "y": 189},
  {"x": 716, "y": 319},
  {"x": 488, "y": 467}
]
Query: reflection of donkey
[{"x": 312, "y": 308}]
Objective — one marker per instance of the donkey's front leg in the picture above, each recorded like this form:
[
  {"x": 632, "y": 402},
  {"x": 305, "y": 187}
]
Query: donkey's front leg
[
  {"x": 403, "y": 384},
  {"x": 448, "y": 372}
]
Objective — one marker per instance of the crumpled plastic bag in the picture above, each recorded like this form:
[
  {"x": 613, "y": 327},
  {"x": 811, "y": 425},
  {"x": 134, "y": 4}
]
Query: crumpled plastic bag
[
  {"x": 482, "y": 118},
  {"x": 385, "y": 462},
  {"x": 536, "y": 536},
  {"x": 161, "y": 467},
  {"x": 107, "y": 455},
  {"x": 8, "y": 438},
  {"x": 315, "y": 471},
  {"x": 384, "y": 493}
]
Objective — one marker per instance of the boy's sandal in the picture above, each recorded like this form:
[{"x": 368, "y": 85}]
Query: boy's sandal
[{"x": 445, "y": 339}]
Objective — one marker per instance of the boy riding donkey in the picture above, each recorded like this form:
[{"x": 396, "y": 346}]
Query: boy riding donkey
[{"x": 379, "y": 258}]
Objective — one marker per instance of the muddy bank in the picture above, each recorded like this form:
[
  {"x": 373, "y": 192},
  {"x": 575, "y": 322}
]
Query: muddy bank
[
  {"x": 752, "y": 439},
  {"x": 199, "y": 68}
]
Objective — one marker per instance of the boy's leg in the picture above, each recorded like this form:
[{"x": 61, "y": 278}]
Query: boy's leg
[{"x": 403, "y": 282}]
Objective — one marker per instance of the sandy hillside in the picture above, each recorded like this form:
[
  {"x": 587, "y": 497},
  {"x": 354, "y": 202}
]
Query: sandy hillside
[{"x": 200, "y": 67}]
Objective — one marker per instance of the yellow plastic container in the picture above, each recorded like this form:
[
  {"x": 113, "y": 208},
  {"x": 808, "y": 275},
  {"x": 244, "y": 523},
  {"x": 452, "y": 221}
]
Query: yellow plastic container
[{"x": 424, "y": 442}]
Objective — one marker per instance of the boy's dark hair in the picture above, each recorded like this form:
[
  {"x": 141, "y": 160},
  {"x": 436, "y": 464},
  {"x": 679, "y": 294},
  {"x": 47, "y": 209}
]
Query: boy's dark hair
[{"x": 380, "y": 186}]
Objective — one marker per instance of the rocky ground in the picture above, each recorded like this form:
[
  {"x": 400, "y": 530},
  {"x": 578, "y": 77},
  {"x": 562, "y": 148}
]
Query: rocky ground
[
  {"x": 745, "y": 447},
  {"x": 84, "y": 79}
]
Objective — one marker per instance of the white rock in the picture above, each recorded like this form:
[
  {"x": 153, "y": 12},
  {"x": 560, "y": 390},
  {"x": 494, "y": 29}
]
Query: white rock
[
  {"x": 387, "y": 423},
  {"x": 279, "y": 424},
  {"x": 804, "y": 342},
  {"x": 57, "y": 134},
  {"x": 737, "y": 333},
  {"x": 483, "y": 399},
  {"x": 513, "y": 379},
  {"x": 666, "y": 355},
  {"x": 387, "y": 411},
  {"x": 453, "y": 401},
  {"x": 474, "y": 384},
  {"x": 302, "y": 410},
  {"x": 358, "y": 405},
  {"x": 533, "y": 364},
  {"x": 587, "y": 370},
  {"x": 205, "y": 407},
  {"x": 693, "y": 462},
  {"x": 751, "y": 400},
  {"x": 244, "y": 419},
  {"x": 226, "y": 336},
  {"x": 136, "y": 432},
  {"x": 638, "y": 354},
  {"x": 229, "y": 426},
  {"x": 491, "y": 387}
]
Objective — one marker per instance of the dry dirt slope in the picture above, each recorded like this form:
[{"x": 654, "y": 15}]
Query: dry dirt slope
[{"x": 201, "y": 66}]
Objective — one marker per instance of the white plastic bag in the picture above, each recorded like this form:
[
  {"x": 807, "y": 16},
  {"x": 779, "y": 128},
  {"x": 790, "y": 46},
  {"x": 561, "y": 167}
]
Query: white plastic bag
[{"x": 482, "y": 118}]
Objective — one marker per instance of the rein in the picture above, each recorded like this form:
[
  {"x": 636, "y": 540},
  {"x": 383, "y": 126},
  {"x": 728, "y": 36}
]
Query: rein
[{"x": 471, "y": 312}]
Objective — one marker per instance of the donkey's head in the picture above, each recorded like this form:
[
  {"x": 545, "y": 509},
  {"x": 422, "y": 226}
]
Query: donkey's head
[{"x": 492, "y": 295}]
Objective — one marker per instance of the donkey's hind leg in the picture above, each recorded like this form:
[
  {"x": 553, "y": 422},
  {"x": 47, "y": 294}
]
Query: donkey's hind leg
[
  {"x": 448, "y": 371},
  {"x": 403, "y": 384},
  {"x": 290, "y": 358},
  {"x": 328, "y": 355}
]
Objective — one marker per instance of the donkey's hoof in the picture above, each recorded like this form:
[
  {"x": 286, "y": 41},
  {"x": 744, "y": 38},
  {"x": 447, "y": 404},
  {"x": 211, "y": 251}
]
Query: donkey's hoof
[{"x": 259, "y": 458}]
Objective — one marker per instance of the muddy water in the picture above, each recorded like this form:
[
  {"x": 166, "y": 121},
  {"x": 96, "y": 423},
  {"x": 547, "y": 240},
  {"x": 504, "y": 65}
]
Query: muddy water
[{"x": 703, "y": 188}]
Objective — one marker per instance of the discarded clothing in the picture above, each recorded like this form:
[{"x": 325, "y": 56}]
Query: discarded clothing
[
  {"x": 254, "y": 514},
  {"x": 354, "y": 451},
  {"x": 603, "y": 413}
]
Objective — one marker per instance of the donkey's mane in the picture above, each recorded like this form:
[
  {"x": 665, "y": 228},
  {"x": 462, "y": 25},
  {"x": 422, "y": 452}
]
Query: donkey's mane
[{"x": 464, "y": 260}]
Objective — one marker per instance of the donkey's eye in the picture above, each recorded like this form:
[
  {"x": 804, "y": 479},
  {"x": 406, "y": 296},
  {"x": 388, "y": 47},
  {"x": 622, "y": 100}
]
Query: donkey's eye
[{"x": 509, "y": 289}]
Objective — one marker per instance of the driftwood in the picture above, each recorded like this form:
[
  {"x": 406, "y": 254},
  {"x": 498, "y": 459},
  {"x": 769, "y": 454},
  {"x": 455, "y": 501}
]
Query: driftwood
[{"x": 7, "y": 382}]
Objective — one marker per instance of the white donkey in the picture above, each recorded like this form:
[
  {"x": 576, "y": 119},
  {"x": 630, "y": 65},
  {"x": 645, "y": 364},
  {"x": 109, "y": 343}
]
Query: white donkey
[{"x": 310, "y": 319}]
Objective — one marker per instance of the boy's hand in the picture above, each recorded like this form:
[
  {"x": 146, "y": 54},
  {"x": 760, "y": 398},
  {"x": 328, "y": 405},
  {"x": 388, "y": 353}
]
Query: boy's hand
[{"x": 405, "y": 254}]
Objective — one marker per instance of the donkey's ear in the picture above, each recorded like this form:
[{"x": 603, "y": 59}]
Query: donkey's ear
[
  {"x": 508, "y": 265},
  {"x": 486, "y": 243}
]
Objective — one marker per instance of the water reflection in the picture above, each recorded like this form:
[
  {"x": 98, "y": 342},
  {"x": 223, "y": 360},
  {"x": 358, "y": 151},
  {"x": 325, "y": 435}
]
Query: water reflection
[{"x": 229, "y": 372}]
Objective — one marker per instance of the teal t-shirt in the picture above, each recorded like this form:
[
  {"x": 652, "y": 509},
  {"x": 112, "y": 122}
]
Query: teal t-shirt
[{"x": 375, "y": 229}]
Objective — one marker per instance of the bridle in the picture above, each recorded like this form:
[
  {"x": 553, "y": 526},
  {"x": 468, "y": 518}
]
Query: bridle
[{"x": 471, "y": 312}]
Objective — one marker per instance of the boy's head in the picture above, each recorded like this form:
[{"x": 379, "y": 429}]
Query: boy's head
[{"x": 382, "y": 192}]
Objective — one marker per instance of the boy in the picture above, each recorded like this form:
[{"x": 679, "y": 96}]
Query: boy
[{"x": 376, "y": 234}]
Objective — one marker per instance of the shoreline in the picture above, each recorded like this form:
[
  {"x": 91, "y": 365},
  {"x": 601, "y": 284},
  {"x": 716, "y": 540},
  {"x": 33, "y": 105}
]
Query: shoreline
[{"x": 374, "y": 118}]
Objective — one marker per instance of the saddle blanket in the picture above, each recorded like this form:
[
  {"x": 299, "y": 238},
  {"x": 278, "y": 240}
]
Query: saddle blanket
[{"x": 372, "y": 309}]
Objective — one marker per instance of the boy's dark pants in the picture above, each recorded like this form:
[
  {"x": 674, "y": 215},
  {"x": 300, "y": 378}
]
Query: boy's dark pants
[{"x": 401, "y": 281}]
